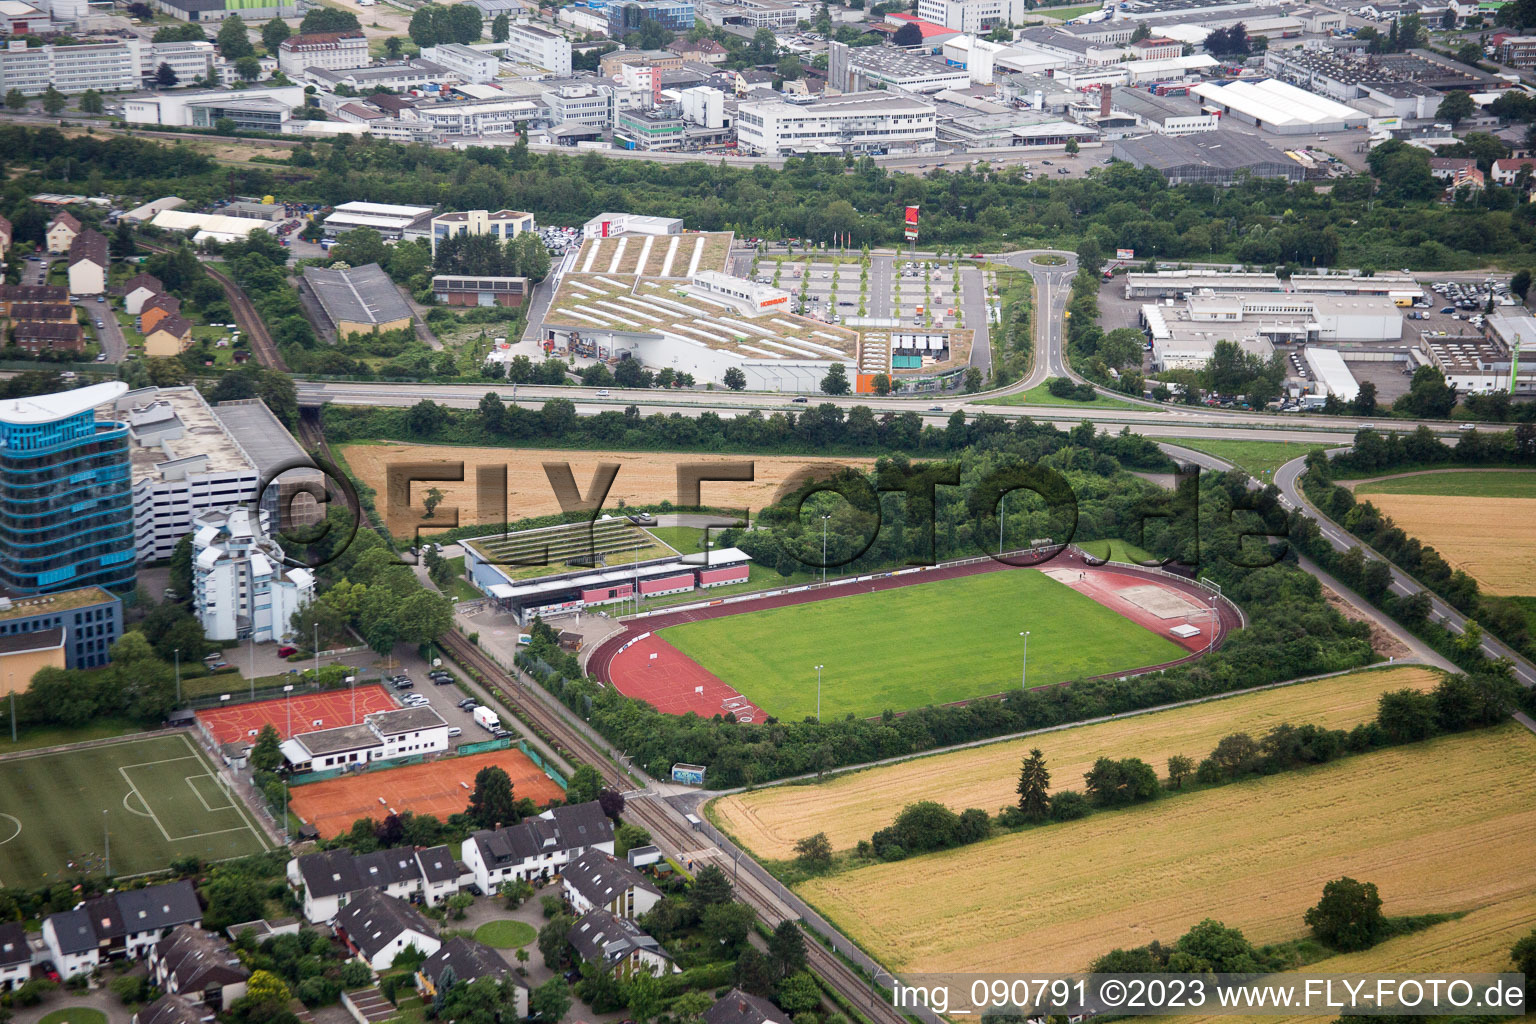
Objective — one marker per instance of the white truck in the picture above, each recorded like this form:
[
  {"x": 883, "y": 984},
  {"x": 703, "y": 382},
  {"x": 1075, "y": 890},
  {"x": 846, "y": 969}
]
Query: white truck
[{"x": 486, "y": 719}]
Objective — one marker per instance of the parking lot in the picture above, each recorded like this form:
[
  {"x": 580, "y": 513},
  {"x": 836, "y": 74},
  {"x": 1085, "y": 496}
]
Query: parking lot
[{"x": 919, "y": 293}]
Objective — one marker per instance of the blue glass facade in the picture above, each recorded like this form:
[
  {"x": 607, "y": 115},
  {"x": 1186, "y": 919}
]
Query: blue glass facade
[
  {"x": 624, "y": 18},
  {"x": 66, "y": 505}
]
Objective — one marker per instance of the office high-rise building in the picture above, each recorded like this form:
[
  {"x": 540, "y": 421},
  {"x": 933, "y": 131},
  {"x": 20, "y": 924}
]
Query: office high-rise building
[{"x": 66, "y": 493}]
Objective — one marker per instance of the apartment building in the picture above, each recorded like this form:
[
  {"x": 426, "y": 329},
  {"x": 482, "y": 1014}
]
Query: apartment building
[
  {"x": 540, "y": 47},
  {"x": 972, "y": 17},
  {"x": 105, "y": 67},
  {"x": 333, "y": 51},
  {"x": 865, "y": 122}
]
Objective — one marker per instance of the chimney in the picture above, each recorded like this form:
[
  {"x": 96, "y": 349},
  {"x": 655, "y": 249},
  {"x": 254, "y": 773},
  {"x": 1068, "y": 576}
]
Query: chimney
[{"x": 1104, "y": 94}]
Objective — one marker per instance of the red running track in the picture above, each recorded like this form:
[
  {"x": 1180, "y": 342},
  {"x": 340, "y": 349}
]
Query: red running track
[{"x": 671, "y": 680}]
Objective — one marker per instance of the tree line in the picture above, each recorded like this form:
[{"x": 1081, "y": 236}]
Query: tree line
[{"x": 1458, "y": 703}]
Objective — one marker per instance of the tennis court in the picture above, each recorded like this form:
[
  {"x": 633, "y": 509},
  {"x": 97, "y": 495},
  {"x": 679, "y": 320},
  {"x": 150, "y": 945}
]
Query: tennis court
[
  {"x": 141, "y": 803},
  {"x": 293, "y": 715},
  {"x": 439, "y": 788}
]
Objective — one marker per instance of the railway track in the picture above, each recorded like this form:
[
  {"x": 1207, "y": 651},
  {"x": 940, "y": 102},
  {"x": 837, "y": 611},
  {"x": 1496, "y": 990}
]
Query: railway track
[
  {"x": 262, "y": 345},
  {"x": 671, "y": 832}
]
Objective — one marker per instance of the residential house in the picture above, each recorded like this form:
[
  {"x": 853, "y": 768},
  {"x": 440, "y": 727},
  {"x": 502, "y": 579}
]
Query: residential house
[
  {"x": 378, "y": 928},
  {"x": 11, "y": 294},
  {"x": 15, "y": 955},
  {"x": 330, "y": 879},
  {"x": 171, "y": 336},
  {"x": 738, "y": 1007},
  {"x": 173, "y": 1009},
  {"x": 125, "y": 923},
  {"x": 536, "y": 847},
  {"x": 751, "y": 79},
  {"x": 137, "y": 290},
  {"x": 154, "y": 308},
  {"x": 598, "y": 880},
  {"x": 470, "y": 961},
  {"x": 88, "y": 263},
  {"x": 1506, "y": 172},
  {"x": 618, "y": 945},
  {"x": 36, "y": 336},
  {"x": 705, "y": 50},
  {"x": 44, "y": 312},
  {"x": 199, "y": 966},
  {"x": 61, "y": 232},
  {"x": 1467, "y": 178},
  {"x": 1445, "y": 168}
]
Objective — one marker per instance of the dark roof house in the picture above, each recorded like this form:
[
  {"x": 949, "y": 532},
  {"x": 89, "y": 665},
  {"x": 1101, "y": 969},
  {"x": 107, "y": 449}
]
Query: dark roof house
[
  {"x": 470, "y": 961},
  {"x": 605, "y": 939},
  {"x": 89, "y": 245},
  {"x": 173, "y": 1009},
  {"x": 13, "y": 945},
  {"x": 738, "y": 1007},
  {"x": 373, "y": 921},
  {"x": 198, "y": 960},
  {"x": 330, "y": 873}
]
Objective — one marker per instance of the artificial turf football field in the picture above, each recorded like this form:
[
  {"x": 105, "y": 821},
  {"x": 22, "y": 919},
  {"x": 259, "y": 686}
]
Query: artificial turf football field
[
  {"x": 932, "y": 643},
  {"x": 160, "y": 798}
]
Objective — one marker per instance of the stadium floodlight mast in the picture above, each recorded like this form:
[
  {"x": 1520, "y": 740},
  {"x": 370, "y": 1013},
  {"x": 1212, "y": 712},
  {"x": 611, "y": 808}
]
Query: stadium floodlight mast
[
  {"x": 352, "y": 682},
  {"x": 824, "y": 519},
  {"x": 253, "y": 653},
  {"x": 177, "y": 652},
  {"x": 1024, "y": 671},
  {"x": 106, "y": 838},
  {"x": 288, "y": 705},
  {"x": 818, "y": 694}
]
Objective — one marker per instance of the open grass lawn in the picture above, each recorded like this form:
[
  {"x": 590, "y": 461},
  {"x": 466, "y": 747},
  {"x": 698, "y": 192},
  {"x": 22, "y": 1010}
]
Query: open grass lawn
[
  {"x": 1041, "y": 395},
  {"x": 1259, "y": 458},
  {"x": 853, "y": 805},
  {"x": 1469, "y": 483},
  {"x": 1117, "y": 550},
  {"x": 74, "y": 1015},
  {"x": 157, "y": 797},
  {"x": 927, "y": 644},
  {"x": 34, "y": 737},
  {"x": 506, "y": 934},
  {"x": 1442, "y": 826},
  {"x": 685, "y": 540}
]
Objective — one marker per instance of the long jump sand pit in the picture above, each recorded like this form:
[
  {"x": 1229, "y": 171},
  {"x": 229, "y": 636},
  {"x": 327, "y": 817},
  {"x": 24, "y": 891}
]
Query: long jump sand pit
[
  {"x": 438, "y": 788},
  {"x": 644, "y": 478}
]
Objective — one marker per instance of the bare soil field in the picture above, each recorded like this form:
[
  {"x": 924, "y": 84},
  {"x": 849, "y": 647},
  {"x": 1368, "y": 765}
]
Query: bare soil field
[
  {"x": 851, "y": 807},
  {"x": 644, "y": 477},
  {"x": 1440, "y": 826},
  {"x": 1492, "y": 539}
]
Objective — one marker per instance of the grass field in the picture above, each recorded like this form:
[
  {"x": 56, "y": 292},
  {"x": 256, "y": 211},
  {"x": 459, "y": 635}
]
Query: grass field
[
  {"x": 1491, "y": 539},
  {"x": 1116, "y": 550},
  {"x": 1471, "y": 483},
  {"x": 505, "y": 934},
  {"x": 1259, "y": 458},
  {"x": 74, "y": 1015},
  {"x": 927, "y": 644},
  {"x": 159, "y": 795},
  {"x": 1440, "y": 826},
  {"x": 1041, "y": 395},
  {"x": 852, "y": 806}
]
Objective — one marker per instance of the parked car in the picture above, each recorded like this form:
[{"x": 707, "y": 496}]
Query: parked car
[
  {"x": 287, "y": 651},
  {"x": 1448, "y": 309},
  {"x": 454, "y": 730},
  {"x": 403, "y": 684},
  {"x": 467, "y": 703}
]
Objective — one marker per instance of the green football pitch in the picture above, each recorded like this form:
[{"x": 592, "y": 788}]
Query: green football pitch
[
  {"x": 151, "y": 800},
  {"x": 931, "y": 643}
]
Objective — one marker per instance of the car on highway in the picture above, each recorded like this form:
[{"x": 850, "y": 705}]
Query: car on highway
[
  {"x": 603, "y": 393},
  {"x": 935, "y": 408},
  {"x": 801, "y": 400}
]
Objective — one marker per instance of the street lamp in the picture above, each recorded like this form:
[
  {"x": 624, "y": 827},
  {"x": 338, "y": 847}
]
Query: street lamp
[
  {"x": 288, "y": 706},
  {"x": 352, "y": 682},
  {"x": 1024, "y": 671},
  {"x": 253, "y": 653},
  {"x": 177, "y": 652},
  {"x": 1002, "y": 517},
  {"x": 818, "y": 694}
]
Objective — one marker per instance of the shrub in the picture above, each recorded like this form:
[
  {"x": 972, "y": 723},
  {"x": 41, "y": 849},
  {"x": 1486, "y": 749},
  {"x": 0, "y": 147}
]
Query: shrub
[{"x": 1069, "y": 805}]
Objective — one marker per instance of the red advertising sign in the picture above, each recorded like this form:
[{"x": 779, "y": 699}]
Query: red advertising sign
[{"x": 911, "y": 223}]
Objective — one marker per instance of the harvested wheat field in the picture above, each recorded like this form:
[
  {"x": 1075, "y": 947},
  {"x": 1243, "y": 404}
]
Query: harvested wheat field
[
  {"x": 644, "y": 478},
  {"x": 1492, "y": 539},
  {"x": 1479, "y": 942},
  {"x": 1439, "y": 826},
  {"x": 852, "y": 806}
]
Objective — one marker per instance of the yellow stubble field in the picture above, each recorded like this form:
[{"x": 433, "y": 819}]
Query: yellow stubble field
[
  {"x": 851, "y": 807},
  {"x": 644, "y": 478},
  {"x": 1493, "y": 540},
  {"x": 1441, "y": 826}
]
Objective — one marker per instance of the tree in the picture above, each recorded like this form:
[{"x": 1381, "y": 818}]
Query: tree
[
  {"x": 460, "y": 902},
  {"x": 908, "y": 35},
  {"x": 1523, "y": 955},
  {"x": 233, "y": 40},
  {"x": 165, "y": 76},
  {"x": 1112, "y": 783},
  {"x": 1071, "y": 147},
  {"x": 1349, "y": 916},
  {"x": 1456, "y": 107},
  {"x": 710, "y": 887},
  {"x": 1520, "y": 284},
  {"x": 53, "y": 100},
  {"x": 329, "y": 19},
  {"x": 393, "y": 47},
  {"x": 501, "y": 28},
  {"x": 728, "y": 924},
  {"x": 265, "y": 755},
  {"x": 1033, "y": 788},
  {"x": 629, "y": 837},
  {"x": 786, "y": 948},
  {"x": 266, "y": 987},
  {"x": 1406, "y": 716},
  {"x": 814, "y": 852},
  {"x": 1429, "y": 396},
  {"x": 359, "y": 247},
  {"x": 14, "y": 99},
  {"x": 584, "y": 785},
  {"x": 1179, "y": 769},
  {"x": 551, "y": 1000},
  {"x": 491, "y": 804},
  {"x": 434, "y": 497},
  {"x": 736, "y": 380},
  {"x": 248, "y": 68},
  {"x": 836, "y": 381},
  {"x": 552, "y": 942},
  {"x": 1364, "y": 402},
  {"x": 90, "y": 102},
  {"x": 273, "y": 33}
]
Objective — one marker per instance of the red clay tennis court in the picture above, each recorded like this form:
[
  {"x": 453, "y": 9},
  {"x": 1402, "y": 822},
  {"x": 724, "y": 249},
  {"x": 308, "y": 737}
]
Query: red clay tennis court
[
  {"x": 439, "y": 788},
  {"x": 655, "y": 671},
  {"x": 307, "y": 713}
]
